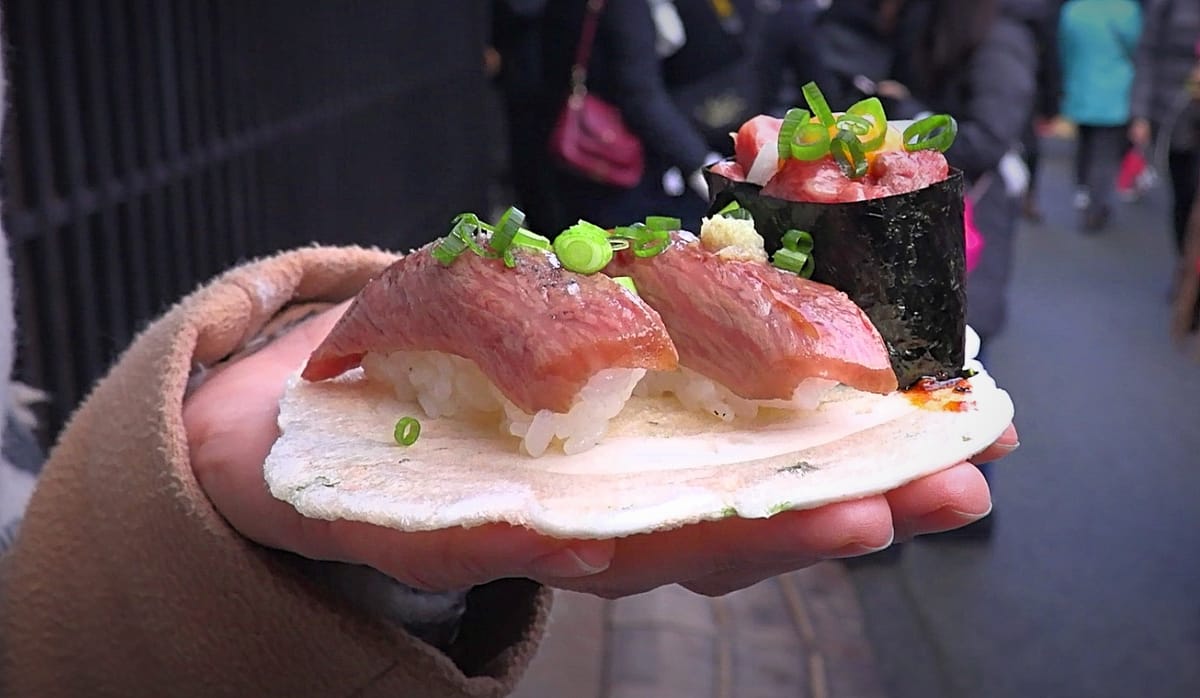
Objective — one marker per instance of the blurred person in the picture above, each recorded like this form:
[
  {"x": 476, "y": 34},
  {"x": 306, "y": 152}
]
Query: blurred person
[
  {"x": 684, "y": 74},
  {"x": 1046, "y": 105},
  {"x": 145, "y": 556},
  {"x": 1165, "y": 106},
  {"x": 1097, "y": 39},
  {"x": 976, "y": 61}
]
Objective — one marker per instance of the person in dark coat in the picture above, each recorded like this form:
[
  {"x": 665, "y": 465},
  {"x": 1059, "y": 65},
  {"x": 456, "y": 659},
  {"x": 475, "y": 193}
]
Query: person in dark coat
[
  {"x": 1164, "y": 102},
  {"x": 976, "y": 61},
  {"x": 684, "y": 74}
]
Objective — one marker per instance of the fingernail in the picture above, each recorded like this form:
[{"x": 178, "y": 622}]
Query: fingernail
[
  {"x": 972, "y": 516},
  {"x": 579, "y": 561},
  {"x": 859, "y": 548},
  {"x": 1008, "y": 447}
]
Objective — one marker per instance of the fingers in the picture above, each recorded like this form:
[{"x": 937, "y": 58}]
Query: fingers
[
  {"x": 719, "y": 556},
  {"x": 949, "y": 499},
  {"x": 1006, "y": 444}
]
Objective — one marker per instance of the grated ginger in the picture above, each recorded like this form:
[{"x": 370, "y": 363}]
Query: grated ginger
[{"x": 732, "y": 239}]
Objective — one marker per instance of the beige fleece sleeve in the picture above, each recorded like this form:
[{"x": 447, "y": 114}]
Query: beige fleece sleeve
[{"x": 125, "y": 581}]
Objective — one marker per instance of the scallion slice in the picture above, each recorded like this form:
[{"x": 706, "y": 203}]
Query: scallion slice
[
  {"x": 526, "y": 238},
  {"x": 934, "y": 132},
  {"x": 407, "y": 431},
  {"x": 666, "y": 223},
  {"x": 507, "y": 228},
  {"x": 651, "y": 243},
  {"x": 792, "y": 120},
  {"x": 734, "y": 210},
  {"x": 848, "y": 154},
  {"x": 816, "y": 102},
  {"x": 872, "y": 109},
  {"x": 583, "y": 248},
  {"x": 627, "y": 282},
  {"x": 449, "y": 249},
  {"x": 810, "y": 142},
  {"x": 858, "y": 125},
  {"x": 795, "y": 255}
]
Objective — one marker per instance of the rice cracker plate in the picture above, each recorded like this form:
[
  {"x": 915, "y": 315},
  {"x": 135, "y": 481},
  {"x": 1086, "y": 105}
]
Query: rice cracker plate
[{"x": 658, "y": 466}]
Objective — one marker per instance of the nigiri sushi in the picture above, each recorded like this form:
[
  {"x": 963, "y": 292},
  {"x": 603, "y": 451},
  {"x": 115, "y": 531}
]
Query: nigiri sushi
[
  {"x": 749, "y": 334},
  {"x": 555, "y": 352}
]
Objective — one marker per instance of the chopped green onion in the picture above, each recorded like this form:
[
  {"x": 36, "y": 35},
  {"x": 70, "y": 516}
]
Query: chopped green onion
[
  {"x": 406, "y": 432},
  {"x": 652, "y": 242},
  {"x": 810, "y": 142},
  {"x": 792, "y": 120},
  {"x": 449, "y": 249},
  {"x": 627, "y": 282},
  {"x": 507, "y": 229},
  {"x": 795, "y": 255},
  {"x": 666, "y": 223},
  {"x": 526, "y": 238},
  {"x": 935, "y": 132},
  {"x": 583, "y": 248},
  {"x": 816, "y": 102},
  {"x": 797, "y": 241},
  {"x": 848, "y": 154},
  {"x": 872, "y": 109},
  {"x": 795, "y": 262},
  {"x": 854, "y": 123},
  {"x": 735, "y": 211}
]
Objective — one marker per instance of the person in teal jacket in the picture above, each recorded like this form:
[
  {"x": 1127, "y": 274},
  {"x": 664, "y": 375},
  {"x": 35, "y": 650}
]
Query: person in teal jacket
[{"x": 1097, "y": 40}]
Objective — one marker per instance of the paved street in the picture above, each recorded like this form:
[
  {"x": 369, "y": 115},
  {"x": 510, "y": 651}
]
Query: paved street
[{"x": 1091, "y": 584}]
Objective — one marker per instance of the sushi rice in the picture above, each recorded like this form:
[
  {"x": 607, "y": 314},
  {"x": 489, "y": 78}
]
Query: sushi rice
[
  {"x": 698, "y": 393},
  {"x": 445, "y": 385}
]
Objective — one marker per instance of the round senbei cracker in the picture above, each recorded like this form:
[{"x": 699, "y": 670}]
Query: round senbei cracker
[{"x": 658, "y": 467}]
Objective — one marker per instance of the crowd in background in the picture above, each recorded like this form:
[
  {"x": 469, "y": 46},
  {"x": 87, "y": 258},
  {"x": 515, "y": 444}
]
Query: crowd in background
[{"x": 685, "y": 73}]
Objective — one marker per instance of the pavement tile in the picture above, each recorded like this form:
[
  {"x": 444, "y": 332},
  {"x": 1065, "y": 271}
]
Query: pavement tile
[
  {"x": 666, "y": 607},
  {"x": 664, "y": 663}
]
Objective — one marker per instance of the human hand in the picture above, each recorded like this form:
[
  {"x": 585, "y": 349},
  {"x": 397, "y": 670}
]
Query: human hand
[
  {"x": 1139, "y": 131},
  {"x": 230, "y": 422},
  {"x": 892, "y": 90}
]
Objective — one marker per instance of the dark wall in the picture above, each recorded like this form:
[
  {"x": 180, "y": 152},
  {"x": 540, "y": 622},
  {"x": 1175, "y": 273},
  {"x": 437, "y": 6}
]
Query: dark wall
[{"x": 152, "y": 143}]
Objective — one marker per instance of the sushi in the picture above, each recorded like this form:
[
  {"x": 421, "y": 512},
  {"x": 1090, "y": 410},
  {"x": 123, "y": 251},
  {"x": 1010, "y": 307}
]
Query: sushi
[
  {"x": 555, "y": 353},
  {"x": 750, "y": 334},
  {"x": 884, "y": 212}
]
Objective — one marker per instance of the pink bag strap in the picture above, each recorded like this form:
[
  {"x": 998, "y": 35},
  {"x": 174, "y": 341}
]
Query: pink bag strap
[{"x": 583, "y": 52}]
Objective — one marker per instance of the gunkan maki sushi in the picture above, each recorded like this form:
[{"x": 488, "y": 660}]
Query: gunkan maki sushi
[{"x": 870, "y": 208}]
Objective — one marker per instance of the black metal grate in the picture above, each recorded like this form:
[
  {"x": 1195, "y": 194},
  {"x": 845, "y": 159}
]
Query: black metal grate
[{"x": 153, "y": 143}]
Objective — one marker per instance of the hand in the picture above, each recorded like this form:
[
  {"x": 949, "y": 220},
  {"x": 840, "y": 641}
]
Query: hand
[
  {"x": 230, "y": 421},
  {"x": 1139, "y": 131},
  {"x": 892, "y": 90}
]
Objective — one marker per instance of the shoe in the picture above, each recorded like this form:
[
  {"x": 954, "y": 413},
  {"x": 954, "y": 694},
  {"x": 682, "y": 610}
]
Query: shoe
[
  {"x": 1083, "y": 198},
  {"x": 1030, "y": 210},
  {"x": 1095, "y": 221}
]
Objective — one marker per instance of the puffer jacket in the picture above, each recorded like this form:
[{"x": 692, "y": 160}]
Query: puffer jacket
[
  {"x": 1097, "y": 40},
  {"x": 1165, "y": 57}
]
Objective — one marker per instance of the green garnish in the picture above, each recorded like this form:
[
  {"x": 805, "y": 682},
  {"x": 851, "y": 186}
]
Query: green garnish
[
  {"x": 583, "y": 248},
  {"x": 934, "y": 132},
  {"x": 734, "y": 210},
  {"x": 870, "y": 109},
  {"x": 407, "y": 431},
  {"x": 448, "y": 249},
  {"x": 795, "y": 254},
  {"x": 646, "y": 239},
  {"x": 816, "y": 102},
  {"x": 666, "y": 223},
  {"x": 792, "y": 120},
  {"x": 627, "y": 282},
  {"x": 810, "y": 142},
  {"x": 526, "y": 238},
  {"x": 848, "y": 154},
  {"x": 652, "y": 243},
  {"x": 506, "y": 229}
]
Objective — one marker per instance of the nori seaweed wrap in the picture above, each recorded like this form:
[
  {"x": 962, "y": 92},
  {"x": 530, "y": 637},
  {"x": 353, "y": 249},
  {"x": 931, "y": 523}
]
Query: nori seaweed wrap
[{"x": 901, "y": 258}]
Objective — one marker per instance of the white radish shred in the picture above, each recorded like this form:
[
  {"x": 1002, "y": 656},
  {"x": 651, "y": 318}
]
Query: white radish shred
[{"x": 766, "y": 164}]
